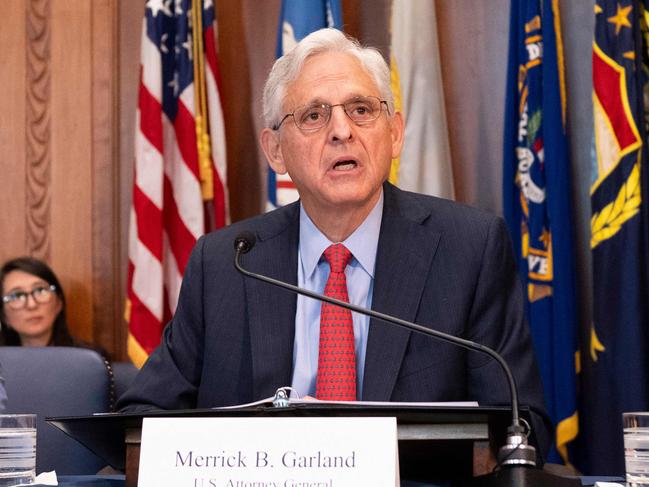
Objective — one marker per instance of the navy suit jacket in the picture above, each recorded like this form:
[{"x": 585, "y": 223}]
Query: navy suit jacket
[{"x": 440, "y": 264}]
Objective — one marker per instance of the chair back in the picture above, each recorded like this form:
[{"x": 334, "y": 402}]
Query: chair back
[{"x": 57, "y": 381}]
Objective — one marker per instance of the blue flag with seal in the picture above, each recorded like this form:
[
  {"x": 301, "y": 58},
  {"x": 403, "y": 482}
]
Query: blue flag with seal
[
  {"x": 616, "y": 353},
  {"x": 537, "y": 208},
  {"x": 297, "y": 19}
]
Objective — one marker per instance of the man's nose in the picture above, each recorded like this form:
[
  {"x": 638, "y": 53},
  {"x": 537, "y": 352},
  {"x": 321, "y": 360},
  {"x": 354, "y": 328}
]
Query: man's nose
[{"x": 340, "y": 125}]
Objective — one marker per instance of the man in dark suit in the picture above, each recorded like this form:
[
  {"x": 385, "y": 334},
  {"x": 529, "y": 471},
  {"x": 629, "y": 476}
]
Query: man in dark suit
[{"x": 331, "y": 125}]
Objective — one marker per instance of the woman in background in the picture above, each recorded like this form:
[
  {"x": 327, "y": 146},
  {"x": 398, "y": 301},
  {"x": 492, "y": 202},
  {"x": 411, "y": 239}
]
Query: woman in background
[{"x": 33, "y": 306}]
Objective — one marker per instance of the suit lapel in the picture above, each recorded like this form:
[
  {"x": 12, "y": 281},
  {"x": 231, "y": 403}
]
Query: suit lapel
[
  {"x": 271, "y": 310},
  {"x": 404, "y": 256}
]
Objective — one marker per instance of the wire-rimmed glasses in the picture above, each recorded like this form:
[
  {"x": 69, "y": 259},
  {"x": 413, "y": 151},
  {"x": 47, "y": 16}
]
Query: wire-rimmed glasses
[{"x": 360, "y": 110}]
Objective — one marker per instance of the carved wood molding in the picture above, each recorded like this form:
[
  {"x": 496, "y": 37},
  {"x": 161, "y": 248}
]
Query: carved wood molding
[
  {"x": 108, "y": 294},
  {"x": 38, "y": 133}
]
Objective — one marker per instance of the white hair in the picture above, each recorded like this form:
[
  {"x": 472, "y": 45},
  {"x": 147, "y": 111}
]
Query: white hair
[{"x": 287, "y": 68}]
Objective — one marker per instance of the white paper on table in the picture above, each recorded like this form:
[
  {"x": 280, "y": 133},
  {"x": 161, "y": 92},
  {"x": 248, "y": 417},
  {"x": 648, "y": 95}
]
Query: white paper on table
[{"x": 44, "y": 478}]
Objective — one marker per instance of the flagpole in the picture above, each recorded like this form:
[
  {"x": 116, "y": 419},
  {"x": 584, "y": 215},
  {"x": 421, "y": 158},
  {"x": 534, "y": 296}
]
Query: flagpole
[{"x": 200, "y": 104}]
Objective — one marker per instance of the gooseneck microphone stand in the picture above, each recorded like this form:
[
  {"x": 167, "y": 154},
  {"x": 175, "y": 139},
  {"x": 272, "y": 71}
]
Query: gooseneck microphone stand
[{"x": 516, "y": 458}]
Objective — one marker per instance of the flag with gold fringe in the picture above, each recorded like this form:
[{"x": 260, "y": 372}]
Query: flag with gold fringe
[
  {"x": 416, "y": 72},
  {"x": 179, "y": 187},
  {"x": 537, "y": 203},
  {"x": 615, "y": 357}
]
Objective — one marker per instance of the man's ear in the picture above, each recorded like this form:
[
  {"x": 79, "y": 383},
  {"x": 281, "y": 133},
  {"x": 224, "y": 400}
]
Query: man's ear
[
  {"x": 269, "y": 141},
  {"x": 397, "y": 130}
]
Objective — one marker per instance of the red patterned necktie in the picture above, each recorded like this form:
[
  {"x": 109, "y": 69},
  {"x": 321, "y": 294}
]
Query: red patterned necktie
[{"x": 336, "y": 379}]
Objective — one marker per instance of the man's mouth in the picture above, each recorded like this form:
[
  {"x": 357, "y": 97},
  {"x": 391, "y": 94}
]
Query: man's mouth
[{"x": 344, "y": 165}]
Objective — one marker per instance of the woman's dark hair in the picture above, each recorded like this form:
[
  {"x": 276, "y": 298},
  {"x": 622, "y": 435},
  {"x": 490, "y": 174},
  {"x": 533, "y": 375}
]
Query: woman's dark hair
[{"x": 60, "y": 334}]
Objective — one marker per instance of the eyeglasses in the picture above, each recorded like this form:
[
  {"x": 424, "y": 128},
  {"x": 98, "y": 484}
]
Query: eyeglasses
[
  {"x": 18, "y": 299},
  {"x": 361, "y": 110}
]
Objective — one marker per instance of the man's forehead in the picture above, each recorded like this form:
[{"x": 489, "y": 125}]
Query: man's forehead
[
  {"x": 330, "y": 77},
  {"x": 328, "y": 100}
]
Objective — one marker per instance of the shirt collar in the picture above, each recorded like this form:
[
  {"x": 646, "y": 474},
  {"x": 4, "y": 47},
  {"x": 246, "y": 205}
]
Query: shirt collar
[{"x": 362, "y": 243}]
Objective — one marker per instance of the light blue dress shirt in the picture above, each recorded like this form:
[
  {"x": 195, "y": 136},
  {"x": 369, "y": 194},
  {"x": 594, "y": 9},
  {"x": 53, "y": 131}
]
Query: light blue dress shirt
[{"x": 312, "y": 274}]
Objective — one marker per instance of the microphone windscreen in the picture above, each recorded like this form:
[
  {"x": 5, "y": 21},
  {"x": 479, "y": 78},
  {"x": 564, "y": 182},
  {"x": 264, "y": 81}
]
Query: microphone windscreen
[{"x": 244, "y": 242}]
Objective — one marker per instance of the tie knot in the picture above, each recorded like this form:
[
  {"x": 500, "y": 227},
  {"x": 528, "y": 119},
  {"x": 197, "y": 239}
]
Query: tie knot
[{"x": 338, "y": 257}]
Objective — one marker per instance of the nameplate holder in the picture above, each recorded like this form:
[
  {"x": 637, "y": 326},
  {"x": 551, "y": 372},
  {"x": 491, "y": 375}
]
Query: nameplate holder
[{"x": 269, "y": 452}]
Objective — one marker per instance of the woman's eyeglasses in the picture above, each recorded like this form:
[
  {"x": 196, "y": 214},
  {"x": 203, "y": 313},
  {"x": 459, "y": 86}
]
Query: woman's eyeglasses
[{"x": 18, "y": 299}]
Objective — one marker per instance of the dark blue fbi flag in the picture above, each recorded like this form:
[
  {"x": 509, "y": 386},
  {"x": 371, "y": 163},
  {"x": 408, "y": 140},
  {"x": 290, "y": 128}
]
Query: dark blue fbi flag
[{"x": 537, "y": 203}]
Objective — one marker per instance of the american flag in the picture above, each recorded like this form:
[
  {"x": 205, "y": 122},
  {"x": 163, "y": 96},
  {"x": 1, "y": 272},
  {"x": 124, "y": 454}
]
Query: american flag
[{"x": 171, "y": 205}]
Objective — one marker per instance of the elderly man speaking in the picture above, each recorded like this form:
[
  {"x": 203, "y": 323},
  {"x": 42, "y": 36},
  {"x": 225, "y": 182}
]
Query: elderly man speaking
[{"x": 331, "y": 124}]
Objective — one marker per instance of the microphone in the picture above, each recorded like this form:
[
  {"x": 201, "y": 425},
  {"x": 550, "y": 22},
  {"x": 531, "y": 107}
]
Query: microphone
[
  {"x": 243, "y": 244},
  {"x": 515, "y": 452}
]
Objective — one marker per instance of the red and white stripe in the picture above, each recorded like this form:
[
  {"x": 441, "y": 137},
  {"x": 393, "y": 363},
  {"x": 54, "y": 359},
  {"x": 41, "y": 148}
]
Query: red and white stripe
[
  {"x": 285, "y": 190},
  {"x": 168, "y": 213}
]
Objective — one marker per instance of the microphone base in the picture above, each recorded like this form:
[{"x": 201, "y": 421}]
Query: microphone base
[{"x": 515, "y": 476}]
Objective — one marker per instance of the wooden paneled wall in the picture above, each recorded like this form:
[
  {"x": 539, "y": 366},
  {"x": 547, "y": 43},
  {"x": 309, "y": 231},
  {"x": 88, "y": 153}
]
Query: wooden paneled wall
[{"x": 58, "y": 121}]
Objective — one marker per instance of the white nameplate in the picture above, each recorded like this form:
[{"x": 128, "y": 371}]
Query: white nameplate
[{"x": 268, "y": 452}]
